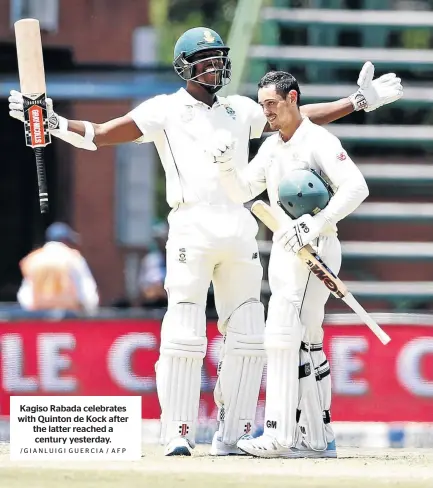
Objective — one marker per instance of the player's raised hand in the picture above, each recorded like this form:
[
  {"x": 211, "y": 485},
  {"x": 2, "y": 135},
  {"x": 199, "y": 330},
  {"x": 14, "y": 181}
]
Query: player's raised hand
[
  {"x": 372, "y": 94},
  {"x": 16, "y": 109},
  {"x": 300, "y": 232},
  {"x": 221, "y": 147}
]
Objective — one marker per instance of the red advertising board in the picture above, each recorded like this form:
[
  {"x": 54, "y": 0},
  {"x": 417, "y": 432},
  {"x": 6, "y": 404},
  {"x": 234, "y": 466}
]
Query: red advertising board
[{"x": 371, "y": 382}]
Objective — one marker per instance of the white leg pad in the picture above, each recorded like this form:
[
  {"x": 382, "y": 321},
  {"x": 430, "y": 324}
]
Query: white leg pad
[
  {"x": 178, "y": 371},
  {"x": 282, "y": 341},
  {"x": 316, "y": 402},
  {"x": 240, "y": 372}
]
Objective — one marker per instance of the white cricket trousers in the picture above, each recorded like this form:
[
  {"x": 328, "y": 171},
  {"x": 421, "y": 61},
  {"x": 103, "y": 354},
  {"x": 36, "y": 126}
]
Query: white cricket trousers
[
  {"x": 289, "y": 276},
  {"x": 213, "y": 243}
]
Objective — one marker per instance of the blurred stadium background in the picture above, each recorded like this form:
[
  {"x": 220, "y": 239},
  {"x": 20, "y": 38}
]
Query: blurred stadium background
[{"x": 104, "y": 56}]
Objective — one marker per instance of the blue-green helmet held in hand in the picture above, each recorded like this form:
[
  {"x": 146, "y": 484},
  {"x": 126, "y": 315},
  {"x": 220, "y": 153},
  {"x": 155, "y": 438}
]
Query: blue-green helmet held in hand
[
  {"x": 303, "y": 191},
  {"x": 191, "y": 49}
]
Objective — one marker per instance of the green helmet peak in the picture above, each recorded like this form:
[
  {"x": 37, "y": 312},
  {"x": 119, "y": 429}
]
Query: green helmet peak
[
  {"x": 200, "y": 40},
  {"x": 303, "y": 191}
]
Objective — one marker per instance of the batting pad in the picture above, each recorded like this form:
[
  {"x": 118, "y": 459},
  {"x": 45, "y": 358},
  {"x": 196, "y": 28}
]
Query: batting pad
[
  {"x": 240, "y": 372},
  {"x": 316, "y": 403},
  {"x": 282, "y": 341},
  {"x": 178, "y": 371}
]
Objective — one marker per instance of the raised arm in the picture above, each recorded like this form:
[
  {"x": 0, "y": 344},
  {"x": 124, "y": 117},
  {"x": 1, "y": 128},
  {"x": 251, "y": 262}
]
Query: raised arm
[
  {"x": 324, "y": 113},
  {"x": 370, "y": 95},
  {"x": 115, "y": 131},
  {"x": 138, "y": 125}
]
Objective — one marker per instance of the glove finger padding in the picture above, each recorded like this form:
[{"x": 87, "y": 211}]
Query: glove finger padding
[
  {"x": 385, "y": 78},
  {"x": 16, "y": 106},
  {"x": 300, "y": 232},
  {"x": 49, "y": 104},
  {"x": 385, "y": 102},
  {"x": 19, "y": 115},
  {"x": 366, "y": 75},
  {"x": 221, "y": 146},
  {"x": 223, "y": 140},
  {"x": 394, "y": 83},
  {"x": 15, "y": 96}
]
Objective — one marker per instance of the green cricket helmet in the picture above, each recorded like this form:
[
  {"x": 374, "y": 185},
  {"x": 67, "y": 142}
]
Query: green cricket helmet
[
  {"x": 303, "y": 191},
  {"x": 200, "y": 40}
]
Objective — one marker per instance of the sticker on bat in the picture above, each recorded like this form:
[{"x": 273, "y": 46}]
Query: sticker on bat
[
  {"x": 331, "y": 285},
  {"x": 36, "y": 123}
]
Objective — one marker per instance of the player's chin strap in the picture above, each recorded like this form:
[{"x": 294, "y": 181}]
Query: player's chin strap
[
  {"x": 314, "y": 402},
  {"x": 58, "y": 127}
]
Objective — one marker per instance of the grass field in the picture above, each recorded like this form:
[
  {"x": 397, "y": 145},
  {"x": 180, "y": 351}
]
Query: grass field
[{"x": 355, "y": 468}]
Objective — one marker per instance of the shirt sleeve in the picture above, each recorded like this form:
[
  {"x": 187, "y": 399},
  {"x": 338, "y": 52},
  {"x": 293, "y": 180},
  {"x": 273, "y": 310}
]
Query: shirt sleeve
[
  {"x": 258, "y": 121},
  {"x": 149, "y": 117},
  {"x": 243, "y": 186},
  {"x": 350, "y": 186},
  {"x": 252, "y": 114}
]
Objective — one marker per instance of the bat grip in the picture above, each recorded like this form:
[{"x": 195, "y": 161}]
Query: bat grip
[{"x": 42, "y": 179}]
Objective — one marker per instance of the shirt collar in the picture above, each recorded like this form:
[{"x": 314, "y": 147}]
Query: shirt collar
[
  {"x": 299, "y": 133},
  {"x": 188, "y": 99}
]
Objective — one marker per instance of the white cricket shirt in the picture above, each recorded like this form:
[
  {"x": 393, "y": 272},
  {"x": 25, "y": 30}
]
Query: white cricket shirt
[
  {"x": 180, "y": 127},
  {"x": 311, "y": 147}
]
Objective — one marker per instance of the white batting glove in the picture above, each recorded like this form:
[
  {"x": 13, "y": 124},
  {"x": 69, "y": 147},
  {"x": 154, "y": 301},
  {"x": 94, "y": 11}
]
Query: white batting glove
[
  {"x": 372, "y": 94},
  {"x": 300, "y": 232},
  {"x": 16, "y": 109},
  {"x": 221, "y": 149}
]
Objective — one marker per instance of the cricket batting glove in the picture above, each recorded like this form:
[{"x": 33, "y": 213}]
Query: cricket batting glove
[
  {"x": 221, "y": 148},
  {"x": 16, "y": 109},
  {"x": 300, "y": 232},
  {"x": 372, "y": 94}
]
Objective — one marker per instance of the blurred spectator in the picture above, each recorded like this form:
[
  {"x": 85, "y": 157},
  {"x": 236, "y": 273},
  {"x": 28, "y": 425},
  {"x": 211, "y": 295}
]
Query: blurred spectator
[
  {"x": 153, "y": 270},
  {"x": 56, "y": 276}
]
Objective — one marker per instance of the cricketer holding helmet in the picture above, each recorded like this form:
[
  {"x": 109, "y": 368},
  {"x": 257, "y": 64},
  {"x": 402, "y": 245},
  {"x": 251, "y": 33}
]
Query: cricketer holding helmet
[
  {"x": 294, "y": 166},
  {"x": 210, "y": 237}
]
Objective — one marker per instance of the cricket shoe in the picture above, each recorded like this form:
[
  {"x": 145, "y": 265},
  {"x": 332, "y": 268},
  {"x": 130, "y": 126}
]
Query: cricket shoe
[
  {"x": 220, "y": 448},
  {"x": 266, "y": 446},
  {"x": 179, "y": 446},
  {"x": 303, "y": 450}
]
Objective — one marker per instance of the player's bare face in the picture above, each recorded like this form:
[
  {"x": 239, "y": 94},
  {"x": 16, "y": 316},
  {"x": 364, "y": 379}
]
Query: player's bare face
[
  {"x": 279, "y": 112},
  {"x": 209, "y": 70}
]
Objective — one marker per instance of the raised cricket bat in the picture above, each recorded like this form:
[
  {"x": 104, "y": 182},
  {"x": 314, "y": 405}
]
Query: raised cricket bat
[
  {"x": 32, "y": 82},
  {"x": 314, "y": 262}
]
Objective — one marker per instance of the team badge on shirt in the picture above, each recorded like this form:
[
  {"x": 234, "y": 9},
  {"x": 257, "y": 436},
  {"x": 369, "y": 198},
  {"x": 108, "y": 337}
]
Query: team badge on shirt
[
  {"x": 231, "y": 112},
  {"x": 188, "y": 113}
]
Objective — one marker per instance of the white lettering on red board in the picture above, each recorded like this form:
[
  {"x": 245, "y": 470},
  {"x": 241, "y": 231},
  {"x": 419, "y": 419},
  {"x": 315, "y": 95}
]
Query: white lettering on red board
[
  {"x": 119, "y": 361},
  {"x": 347, "y": 364},
  {"x": 53, "y": 355},
  {"x": 409, "y": 364}
]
